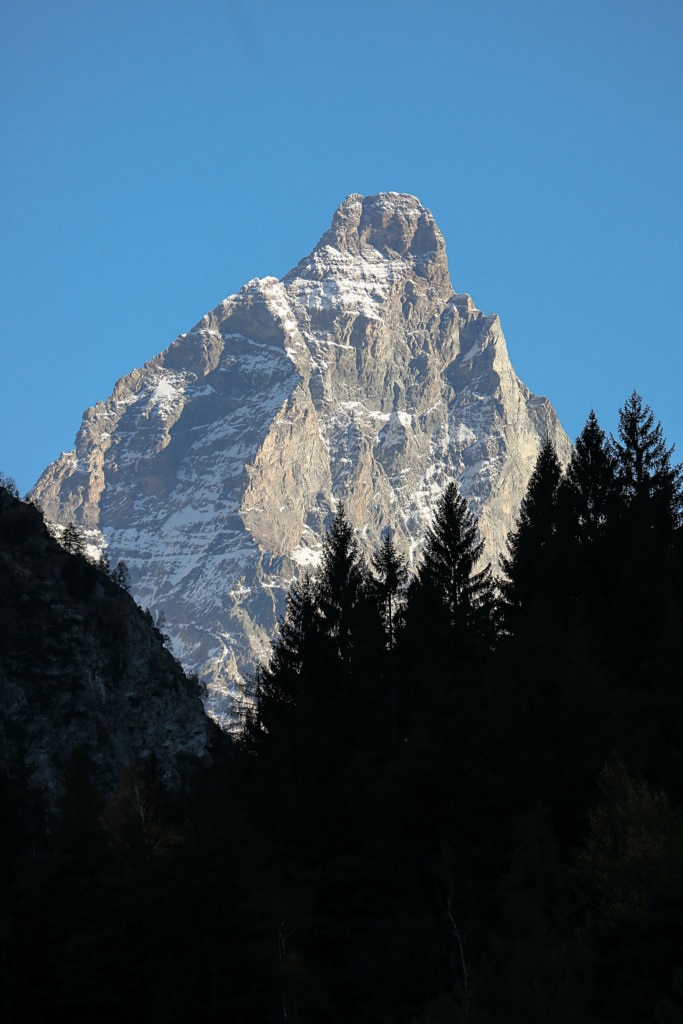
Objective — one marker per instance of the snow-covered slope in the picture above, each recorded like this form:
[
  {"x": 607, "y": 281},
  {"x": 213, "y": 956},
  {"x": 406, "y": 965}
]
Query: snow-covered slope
[{"x": 360, "y": 376}]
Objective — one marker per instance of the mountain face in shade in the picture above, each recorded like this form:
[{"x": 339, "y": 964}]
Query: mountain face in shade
[
  {"x": 83, "y": 669},
  {"x": 360, "y": 377}
]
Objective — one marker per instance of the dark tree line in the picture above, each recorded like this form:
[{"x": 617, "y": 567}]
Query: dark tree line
[{"x": 458, "y": 796}]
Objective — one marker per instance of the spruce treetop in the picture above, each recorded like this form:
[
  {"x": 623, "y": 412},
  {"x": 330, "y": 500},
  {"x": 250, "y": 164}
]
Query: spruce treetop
[{"x": 651, "y": 484}]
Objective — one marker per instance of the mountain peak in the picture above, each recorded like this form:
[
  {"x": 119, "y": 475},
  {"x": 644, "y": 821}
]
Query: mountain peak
[
  {"x": 393, "y": 223},
  {"x": 361, "y": 376}
]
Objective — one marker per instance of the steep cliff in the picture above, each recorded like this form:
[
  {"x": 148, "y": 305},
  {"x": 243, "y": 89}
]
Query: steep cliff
[{"x": 360, "y": 376}]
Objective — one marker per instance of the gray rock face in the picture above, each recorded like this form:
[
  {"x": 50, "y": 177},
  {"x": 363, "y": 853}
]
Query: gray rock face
[{"x": 361, "y": 376}]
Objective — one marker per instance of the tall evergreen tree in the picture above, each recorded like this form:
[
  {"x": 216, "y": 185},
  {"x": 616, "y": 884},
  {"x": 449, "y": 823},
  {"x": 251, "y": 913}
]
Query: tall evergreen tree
[
  {"x": 340, "y": 585},
  {"x": 455, "y": 598},
  {"x": 644, "y": 612},
  {"x": 324, "y": 652},
  {"x": 389, "y": 584},
  {"x": 389, "y": 587},
  {"x": 651, "y": 485},
  {"x": 539, "y": 677},
  {"x": 282, "y": 685},
  {"x": 590, "y": 487},
  {"x": 529, "y": 570},
  {"x": 590, "y": 507}
]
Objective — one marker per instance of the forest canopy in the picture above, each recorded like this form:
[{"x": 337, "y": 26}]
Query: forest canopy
[{"x": 458, "y": 795}]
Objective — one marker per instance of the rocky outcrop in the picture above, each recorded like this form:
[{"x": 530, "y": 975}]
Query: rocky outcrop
[
  {"x": 82, "y": 668},
  {"x": 360, "y": 376}
]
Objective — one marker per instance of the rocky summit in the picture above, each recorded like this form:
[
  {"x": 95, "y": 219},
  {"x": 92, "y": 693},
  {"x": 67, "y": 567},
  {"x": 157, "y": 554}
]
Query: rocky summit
[{"x": 360, "y": 377}]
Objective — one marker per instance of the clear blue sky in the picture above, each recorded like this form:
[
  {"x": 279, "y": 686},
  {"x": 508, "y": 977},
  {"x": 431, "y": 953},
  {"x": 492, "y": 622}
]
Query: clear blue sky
[{"x": 156, "y": 155}]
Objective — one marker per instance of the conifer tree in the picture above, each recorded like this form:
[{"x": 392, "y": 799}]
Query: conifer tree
[
  {"x": 121, "y": 576},
  {"x": 341, "y": 583},
  {"x": 71, "y": 540},
  {"x": 351, "y": 648},
  {"x": 8, "y": 484},
  {"x": 389, "y": 584},
  {"x": 590, "y": 486},
  {"x": 530, "y": 566},
  {"x": 454, "y": 598},
  {"x": 651, "y": 485},
  {"x": 647, "y": 549},
  {"x": 281, "y": 684},
  {"x": 589, "y": 511},
  {"x": 317, "y": 669}
]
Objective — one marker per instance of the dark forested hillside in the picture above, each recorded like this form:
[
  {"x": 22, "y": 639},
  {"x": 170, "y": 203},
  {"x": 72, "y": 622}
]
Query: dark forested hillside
[
  {"x": 81, "y": 665},
  {"x": 457, "y": 797}
]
